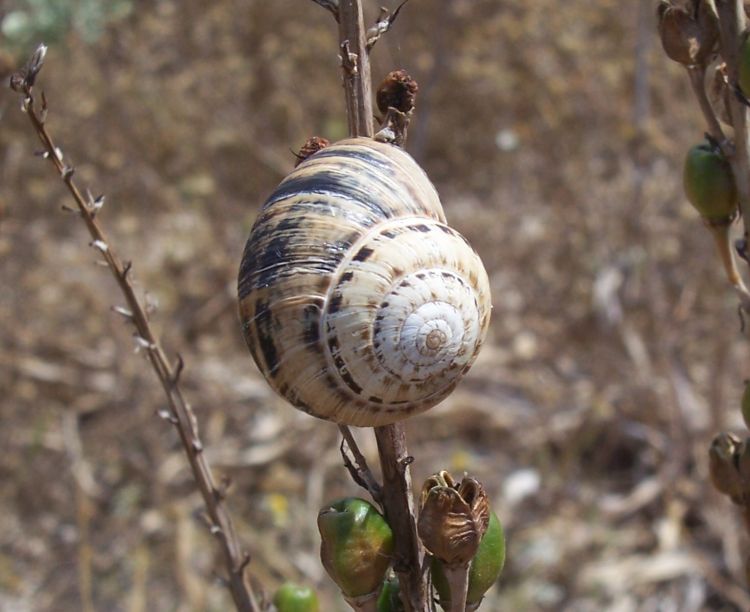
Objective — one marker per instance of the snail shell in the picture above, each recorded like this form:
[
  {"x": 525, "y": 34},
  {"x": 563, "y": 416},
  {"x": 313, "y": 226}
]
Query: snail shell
[{"x": 358, "y": 303}]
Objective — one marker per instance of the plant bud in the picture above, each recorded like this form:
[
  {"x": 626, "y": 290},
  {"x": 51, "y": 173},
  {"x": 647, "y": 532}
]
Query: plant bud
[
  {"x": 709, "y": 183},
  {"x": 389, "y": 599},
  {"x": 294, "y": 598},
  {"x": 485, "y": 567},
  {"x": 723, "y": 457},
  {"x": 688, "y": 34},
  {"x": 452, "y": 518},
  {"x": 356, "y": 545}
]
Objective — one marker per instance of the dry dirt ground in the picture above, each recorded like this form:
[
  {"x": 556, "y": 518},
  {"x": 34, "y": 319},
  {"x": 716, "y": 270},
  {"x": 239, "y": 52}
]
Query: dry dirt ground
[{"x": 555, "y": 133}]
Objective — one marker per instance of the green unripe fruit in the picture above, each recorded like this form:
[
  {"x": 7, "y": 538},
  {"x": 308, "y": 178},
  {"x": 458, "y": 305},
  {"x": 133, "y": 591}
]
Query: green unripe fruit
[
  {"x": 356, "y": 545},
  {"x": 746, "y": 404},
  {"x": 485, "y": 566},
  {"x": 709, "y": 183},
  {"x": 389, "y": 599},
  {"x": 744, "y": 66},
  {"x": 294, "y": 598}
]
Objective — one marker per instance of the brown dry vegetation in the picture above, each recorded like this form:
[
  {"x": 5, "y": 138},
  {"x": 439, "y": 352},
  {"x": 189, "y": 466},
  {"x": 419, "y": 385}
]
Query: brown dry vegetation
[{"x": 555, "y": 132}]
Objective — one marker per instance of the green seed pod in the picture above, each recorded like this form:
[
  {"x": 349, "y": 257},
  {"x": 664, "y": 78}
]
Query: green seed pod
[
  {"x": 294, "y": 598},
  {"x": 709, "y": 183},
  {"x": 356, "y": 545},
  {"x": 485, "y": 567},
  {"x": 390, "y": 600},
  {"x": 746, "y": 404},
  {"x": 743, "y": 77}
]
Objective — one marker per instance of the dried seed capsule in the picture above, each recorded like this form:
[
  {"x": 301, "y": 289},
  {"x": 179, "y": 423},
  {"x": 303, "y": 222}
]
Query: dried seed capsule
[
  {"x": 294, "y": 598},
  {"x": 452, "y": 517},
  {"x": 311, "y": 147},
  {"x": 688, "y": 36},
  {"x": 398, "y": 90},
  {"x": 356, "y": 545},
  {"x": 709, "y": 183}
]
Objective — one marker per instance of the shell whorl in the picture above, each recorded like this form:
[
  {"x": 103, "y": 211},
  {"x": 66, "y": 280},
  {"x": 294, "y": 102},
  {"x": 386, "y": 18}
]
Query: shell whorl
[{"x": 358, "y": 303}]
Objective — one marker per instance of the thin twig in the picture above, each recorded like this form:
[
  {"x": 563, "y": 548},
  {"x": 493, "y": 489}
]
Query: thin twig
[
  {"x": 398, "y": 500},
  {"x": 180, "y": 413},
  {"x": 332, "y": 6},
  {"x": 721, "y": 236},
  {"x": 382, "y": 25},
  {"x": 697, "y": 76},
  {"x": 358, "y": 469}
]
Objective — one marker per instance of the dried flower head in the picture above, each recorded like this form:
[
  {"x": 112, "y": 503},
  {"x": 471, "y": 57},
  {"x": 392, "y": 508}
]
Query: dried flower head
[
  {"x": 452, "y": 517},
  {"x": 689, "y": 31},
  {"x": 398, "y": 90},
  {"x": 312, "y": 145}
]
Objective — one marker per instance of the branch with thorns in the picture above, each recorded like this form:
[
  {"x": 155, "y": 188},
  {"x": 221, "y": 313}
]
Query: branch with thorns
[{"x": 178, "y": 412}]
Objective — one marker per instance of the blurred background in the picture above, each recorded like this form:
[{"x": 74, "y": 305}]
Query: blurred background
[{"x": 555, "y": 133}]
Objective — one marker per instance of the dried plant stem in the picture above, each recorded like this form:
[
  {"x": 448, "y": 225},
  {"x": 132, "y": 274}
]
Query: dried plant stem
[
  {"x": 356, "y": 64},
  {"x": 180, "y": 413},
  {"x": 697, "y": 76},
  {"x": 721, "y": 234},
  {"x": 398, "y": 500},
  {"x": 731, "y": 26},
  {"x": 458, "y": 584}
]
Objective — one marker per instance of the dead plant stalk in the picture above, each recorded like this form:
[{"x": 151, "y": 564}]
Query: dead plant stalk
[
  {"x": 397, "y": 497},
  {"x": 179, "y": 412}
]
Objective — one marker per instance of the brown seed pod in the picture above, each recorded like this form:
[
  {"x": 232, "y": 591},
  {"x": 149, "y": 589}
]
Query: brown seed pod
[{"x": 688, "y": 32}]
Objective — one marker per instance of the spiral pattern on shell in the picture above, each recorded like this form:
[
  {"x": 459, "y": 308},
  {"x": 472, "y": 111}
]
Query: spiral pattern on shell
[{"x": 358, "y": 303}]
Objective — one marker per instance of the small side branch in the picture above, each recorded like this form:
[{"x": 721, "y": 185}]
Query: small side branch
[
  {"x": 382, "y": 25},
  {"x": 179, "y": 411},
  {"x": 332, "y": 6},
  {"x": 358, "y": 468}
]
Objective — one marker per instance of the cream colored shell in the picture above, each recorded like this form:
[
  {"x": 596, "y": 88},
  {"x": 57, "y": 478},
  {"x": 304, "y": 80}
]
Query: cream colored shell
[{"x": 358, "y": 303}]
